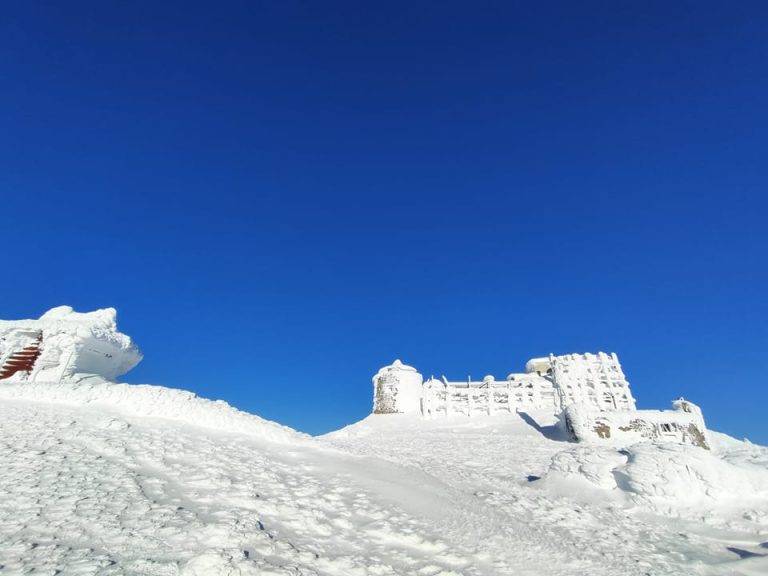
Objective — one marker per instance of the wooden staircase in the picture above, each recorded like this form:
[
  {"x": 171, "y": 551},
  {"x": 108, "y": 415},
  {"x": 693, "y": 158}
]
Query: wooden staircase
[{"x": 22, "y": 360}]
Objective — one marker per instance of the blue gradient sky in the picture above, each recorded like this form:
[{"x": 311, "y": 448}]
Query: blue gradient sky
[{"x": 280, "y": 198}]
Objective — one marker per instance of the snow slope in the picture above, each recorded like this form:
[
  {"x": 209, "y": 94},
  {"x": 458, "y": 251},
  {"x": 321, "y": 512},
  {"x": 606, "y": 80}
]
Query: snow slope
[
  {"x": 102, "y": 478},
  {"x": 644, "y": 509},
  {"x": 150, "y": 401},
  {"x": 88, "y": 491}
]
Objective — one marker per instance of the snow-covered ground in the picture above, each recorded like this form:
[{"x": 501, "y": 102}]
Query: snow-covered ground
[
  {"x": 100, "y": 478},
  {"x": 646, "y": 509}
]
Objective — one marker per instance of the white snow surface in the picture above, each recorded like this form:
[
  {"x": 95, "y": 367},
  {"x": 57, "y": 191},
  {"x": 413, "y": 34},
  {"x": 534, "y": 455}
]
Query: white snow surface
[
  {"x": 144, "y": 400},
  {"x": 108, "y": 479}
]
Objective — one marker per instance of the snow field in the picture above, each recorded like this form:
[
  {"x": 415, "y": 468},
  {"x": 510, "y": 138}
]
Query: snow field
[{"x": 110, "y": 479}]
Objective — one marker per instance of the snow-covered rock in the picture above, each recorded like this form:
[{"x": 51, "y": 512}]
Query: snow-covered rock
[{"x": 63, "y": 343}]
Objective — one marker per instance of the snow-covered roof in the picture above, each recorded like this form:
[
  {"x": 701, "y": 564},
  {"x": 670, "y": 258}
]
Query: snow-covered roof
[
  {"x": 397, "y": 365},
  {"x": 537, "y": 364}
]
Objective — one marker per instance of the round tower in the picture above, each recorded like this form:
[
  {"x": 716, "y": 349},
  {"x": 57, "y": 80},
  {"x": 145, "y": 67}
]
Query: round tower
[{"x": 397, "y": 389}]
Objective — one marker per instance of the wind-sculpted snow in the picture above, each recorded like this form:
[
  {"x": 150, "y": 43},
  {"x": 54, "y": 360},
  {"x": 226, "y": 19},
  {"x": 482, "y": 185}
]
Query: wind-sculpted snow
[
  {"x": 669, "y": 478},
  {"x": 152, "y": 401},
  {"x": 685, "y": 476}
]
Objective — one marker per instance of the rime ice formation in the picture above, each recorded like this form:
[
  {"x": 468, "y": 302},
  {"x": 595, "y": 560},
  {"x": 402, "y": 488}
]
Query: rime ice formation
[
  {"x": 589, "y": 392},
  {"x": 63, "y": 343}
]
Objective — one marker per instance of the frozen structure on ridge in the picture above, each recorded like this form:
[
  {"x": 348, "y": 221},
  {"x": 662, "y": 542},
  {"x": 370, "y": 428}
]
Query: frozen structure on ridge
[
  {"x": 589, "y": 392},
  {"x": 553, "y": 382},
  {"x": 63, "y": 343}
]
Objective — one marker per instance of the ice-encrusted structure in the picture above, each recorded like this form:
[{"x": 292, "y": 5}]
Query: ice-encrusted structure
[
  {"x": 684, "y": 425},
  {"x": 63, "y": 343},
  {"x": 397, "y": 388},
  {"x": 518, "y": 392},
  {"x": 592, "y": 379},
  {"x": 589, "y": 392},
  {"x": 553, "y": 383}
]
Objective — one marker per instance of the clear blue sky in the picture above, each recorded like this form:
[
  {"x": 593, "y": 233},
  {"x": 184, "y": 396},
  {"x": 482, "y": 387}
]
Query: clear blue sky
[{"x": 279, "y": 198}]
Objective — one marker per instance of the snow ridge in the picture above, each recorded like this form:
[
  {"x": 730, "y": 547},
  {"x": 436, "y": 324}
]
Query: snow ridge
[{"x": 143, "y": 400}]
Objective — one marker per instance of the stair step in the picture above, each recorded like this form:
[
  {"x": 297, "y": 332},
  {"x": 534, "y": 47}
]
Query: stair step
[{"x": 22, "y": 360}]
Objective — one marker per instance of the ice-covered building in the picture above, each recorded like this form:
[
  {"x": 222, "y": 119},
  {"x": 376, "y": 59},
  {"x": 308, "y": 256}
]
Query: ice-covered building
[
  {"x": 684, "y": 424},
  {"x": 63, "y": 343},
  {"x": 591, "y": 379},
  {"x": 588, "y": 391},
  {"x": 553, "y": 383}
]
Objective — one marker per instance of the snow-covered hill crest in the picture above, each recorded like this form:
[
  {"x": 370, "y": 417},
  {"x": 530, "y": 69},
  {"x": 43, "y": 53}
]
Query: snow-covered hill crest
[{"x": 146, "y": 401}]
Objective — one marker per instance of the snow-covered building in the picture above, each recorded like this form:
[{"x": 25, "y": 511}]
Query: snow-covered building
[
  {"x": 517, "y": 392},
  {"x": 397, "y": 388},
  {"x": 683, "y": 424},
  {"x": 63, "y": 343},
  {"x": 588, "y": 391},
  {"x": 591, "y": 379},
  {"x": 553, "y": 383}
]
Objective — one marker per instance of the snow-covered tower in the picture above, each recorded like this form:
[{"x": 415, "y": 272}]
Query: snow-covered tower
[
  {"x": 63, "y": 343},
  {"x": 397, "y": 389},
  {"x": 592, "y": 379}
]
